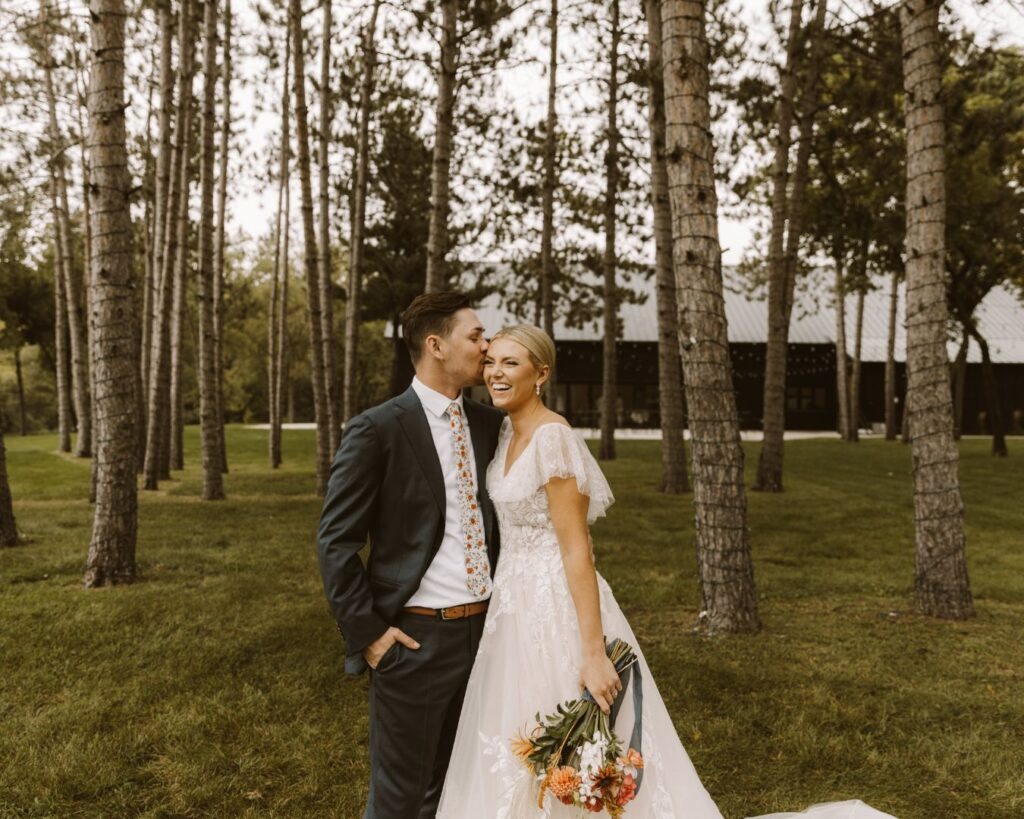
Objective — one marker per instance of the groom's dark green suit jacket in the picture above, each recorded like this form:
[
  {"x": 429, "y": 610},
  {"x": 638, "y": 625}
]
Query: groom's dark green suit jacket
[{"x": 386, "y": 487}]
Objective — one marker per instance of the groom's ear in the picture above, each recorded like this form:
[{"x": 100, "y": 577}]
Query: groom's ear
[{"x": 432, "y": 346}]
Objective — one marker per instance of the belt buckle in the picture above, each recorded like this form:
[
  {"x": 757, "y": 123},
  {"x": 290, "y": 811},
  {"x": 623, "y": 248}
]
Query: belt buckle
[{"x": 461, "y": 612}]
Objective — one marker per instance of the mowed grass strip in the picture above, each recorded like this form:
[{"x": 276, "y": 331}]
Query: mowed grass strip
[{"x": 214, "y": 686}]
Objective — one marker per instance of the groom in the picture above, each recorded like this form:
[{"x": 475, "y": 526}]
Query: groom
[{"x": 409, "y": 477}]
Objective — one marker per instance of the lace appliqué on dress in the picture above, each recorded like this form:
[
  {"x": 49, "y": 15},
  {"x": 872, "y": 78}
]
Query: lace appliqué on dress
[{"x": 555, "y": 451}]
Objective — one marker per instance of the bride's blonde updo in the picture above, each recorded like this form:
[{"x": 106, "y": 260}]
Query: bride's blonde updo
[{"x": 537, "y": 343}]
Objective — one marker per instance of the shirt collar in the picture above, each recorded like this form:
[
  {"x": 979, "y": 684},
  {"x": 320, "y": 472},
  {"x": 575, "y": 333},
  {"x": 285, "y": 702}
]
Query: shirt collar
[{"x": 432, "y": 400}]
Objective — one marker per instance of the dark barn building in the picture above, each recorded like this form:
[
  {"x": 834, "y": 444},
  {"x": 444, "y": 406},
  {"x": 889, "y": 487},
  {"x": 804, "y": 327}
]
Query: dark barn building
[{"x": 811, "y": 392}]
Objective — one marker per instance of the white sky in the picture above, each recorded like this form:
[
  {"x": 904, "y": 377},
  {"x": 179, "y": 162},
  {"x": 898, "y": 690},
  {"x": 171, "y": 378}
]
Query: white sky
[
  {"x": 252, "y": 208},
  {"x": 251, "y": 205}
]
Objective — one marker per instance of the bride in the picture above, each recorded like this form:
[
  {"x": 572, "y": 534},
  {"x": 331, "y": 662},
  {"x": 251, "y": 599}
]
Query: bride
[{"x": 550, "y": 613}]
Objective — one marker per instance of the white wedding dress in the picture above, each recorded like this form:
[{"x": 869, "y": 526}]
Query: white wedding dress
[{"x": 528, "y": 660}]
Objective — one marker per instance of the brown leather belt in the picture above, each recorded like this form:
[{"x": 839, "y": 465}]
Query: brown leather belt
[{"x": 450, "y": 613}]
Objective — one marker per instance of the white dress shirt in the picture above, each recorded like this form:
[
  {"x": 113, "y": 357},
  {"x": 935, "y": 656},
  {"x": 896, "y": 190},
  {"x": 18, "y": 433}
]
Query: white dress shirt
[{"x": 444, "y": 583}]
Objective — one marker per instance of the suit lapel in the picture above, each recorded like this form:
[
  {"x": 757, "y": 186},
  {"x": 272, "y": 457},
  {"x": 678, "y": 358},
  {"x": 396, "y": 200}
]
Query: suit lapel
[{"x": 413, "y": 420}]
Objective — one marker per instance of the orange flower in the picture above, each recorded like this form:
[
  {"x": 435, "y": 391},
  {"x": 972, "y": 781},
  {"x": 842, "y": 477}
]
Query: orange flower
[
  {"x": 632, "y": 759},
  {"x": 604, "y": 779},
  {"x": 627, "y": 790},
  {"x": 563, "y": 782},
  {"x": 521, "y": 746}
]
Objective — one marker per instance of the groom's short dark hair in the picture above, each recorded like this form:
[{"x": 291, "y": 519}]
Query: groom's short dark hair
[{"x": 430, "y": 314}]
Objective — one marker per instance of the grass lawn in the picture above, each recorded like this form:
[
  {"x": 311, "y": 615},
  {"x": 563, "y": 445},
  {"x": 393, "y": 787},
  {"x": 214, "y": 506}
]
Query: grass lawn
[{"x": 214, "y": 686}]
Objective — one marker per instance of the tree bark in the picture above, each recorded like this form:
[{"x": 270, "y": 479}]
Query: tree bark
[
  {"x": 437, "y": 241},
  {"x": 111, "y": 558},
  {"x": 326, "y": 266},
  {"x": 19, "y": 377},
  {"x": 355, "y": 267},
  {"x": 310, "y": 254},
  {"x": 60, "y": 331},
  {"x": 547, "y": 256},
  {"x": 674, "y": 479},
  {"x": 943, "y": 586},
  {"x": 209, "y": 421},
  {"x": 855, "y": 376},
  {"x": 842, "y": 370},
  {"x": 218, "y": 260},
  {"x": 723, "y": 550},
  {"x": 890, "y": 361},
  {"x": 72, "y": 285},
  {"x": 8, "y": 526},
  {"x": 278, "y": 287},
  {"x": 609, "y": 385},
  {"x": 769, "y": 467}
]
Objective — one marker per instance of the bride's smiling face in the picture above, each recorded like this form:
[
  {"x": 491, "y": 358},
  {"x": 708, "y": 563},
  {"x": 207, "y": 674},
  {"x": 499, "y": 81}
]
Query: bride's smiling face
[{"x": 510, "y": 375}]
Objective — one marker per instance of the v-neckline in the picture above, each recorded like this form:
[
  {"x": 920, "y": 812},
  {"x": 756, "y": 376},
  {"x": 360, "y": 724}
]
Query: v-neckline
[{"x": 508, "y": 467}]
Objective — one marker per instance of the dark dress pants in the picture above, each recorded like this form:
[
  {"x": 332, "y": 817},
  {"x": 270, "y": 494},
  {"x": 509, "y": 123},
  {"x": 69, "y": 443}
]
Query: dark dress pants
[{"x": 415, "y": 699}]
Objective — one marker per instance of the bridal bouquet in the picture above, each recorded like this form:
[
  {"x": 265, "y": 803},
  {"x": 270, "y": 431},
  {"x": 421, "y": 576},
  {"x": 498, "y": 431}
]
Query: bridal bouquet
[{"x": 577, "y": 757}]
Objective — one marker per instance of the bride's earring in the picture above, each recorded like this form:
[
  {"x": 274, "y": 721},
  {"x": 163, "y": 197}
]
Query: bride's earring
[{"x": 538, "y": 389}]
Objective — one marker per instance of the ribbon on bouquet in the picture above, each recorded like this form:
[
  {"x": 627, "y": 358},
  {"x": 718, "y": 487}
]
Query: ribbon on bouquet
[
  {"x": 632, "y": 670},
  {"x": 628, "y": 669}
]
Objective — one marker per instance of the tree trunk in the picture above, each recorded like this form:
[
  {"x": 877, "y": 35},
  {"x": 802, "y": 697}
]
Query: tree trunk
[
  {"x": 674, "y": 479},
  {"x": 326, "y": 267},
  {"x": 209, "y": 421},
  {"x": 355, "y": 267},
  {"x": 769, "y": 467},
  {"x": 8, "y": 527},
  {"x": 943, "y": 587},
  {"x": 22, "y": 416},
  {"x": 855, "y": 376},
  {"x": 72, "y": 285},
  {"x": 111, "y": 558},
  {"x": 547, "y": 256},
  {"x": 842, "y": 371},
  {"x": 905, "y": 422},
  {"x": 992, "y": 401},
  {"x": 218, "y": 261},
  {"x": 609, "y": 386},
  {"x": 959, "y": 386},
  {"x": 797, "y": 195},
  {"x": 890, "y": 362},
  {"x": 437, "y": 241},
  {"x": 179, "y": 279},
  {"x": 723, "y": 550},
  {"x": 60, "y": 332},
  {"x": 278, "y": 288},
  {"x": 156, "y": 464},
  {"x": 309, "y": 240},
  {"x": 148, "y": 235},
  {"x": 164, "y": 149},
  {"x": 283, "y": 347},
  {"x": 82, "y": 86}
]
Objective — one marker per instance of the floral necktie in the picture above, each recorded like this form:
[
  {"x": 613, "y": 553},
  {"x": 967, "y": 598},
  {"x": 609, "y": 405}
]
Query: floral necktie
[{"x": 478, "y": 569}]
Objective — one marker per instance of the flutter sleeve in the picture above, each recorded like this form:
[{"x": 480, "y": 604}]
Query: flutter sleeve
[{"x": 560, "y": 453}]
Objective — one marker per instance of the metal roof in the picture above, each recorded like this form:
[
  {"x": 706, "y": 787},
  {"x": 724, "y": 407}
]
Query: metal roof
[{"x": 1000, "y": 320}]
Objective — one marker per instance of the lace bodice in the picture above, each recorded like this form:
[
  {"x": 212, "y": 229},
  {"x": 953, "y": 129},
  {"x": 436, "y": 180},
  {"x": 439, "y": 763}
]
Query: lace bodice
[
  {"x": 554, "y": 451},
  {"x": 530, "y": 555}
]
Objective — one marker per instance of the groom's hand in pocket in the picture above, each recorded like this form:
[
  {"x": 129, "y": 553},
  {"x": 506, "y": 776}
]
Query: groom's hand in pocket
[{"x": 379, "y": 647}]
